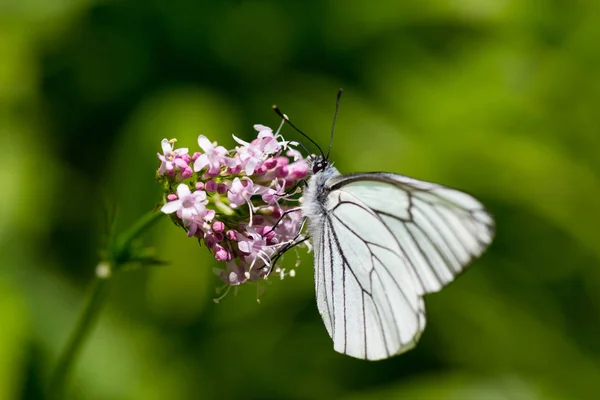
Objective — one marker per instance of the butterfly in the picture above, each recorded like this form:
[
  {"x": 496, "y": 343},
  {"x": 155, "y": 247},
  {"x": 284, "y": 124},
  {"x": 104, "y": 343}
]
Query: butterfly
[{"x": 381, "y": 242}]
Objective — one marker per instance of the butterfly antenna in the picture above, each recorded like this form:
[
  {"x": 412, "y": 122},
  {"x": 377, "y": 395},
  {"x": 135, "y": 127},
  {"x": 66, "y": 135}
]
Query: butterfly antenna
[
  {"x": 285, "y": 117},
  {"x": 337, "y": 108}
]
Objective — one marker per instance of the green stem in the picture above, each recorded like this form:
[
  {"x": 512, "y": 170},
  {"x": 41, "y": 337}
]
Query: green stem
[
  {"x": 119, "y": 254},
  {"x": 124, "y": 240},
  {"x": 82, "y": 330}
]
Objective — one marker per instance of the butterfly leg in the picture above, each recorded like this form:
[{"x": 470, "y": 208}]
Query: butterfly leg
[
  {"x": 292, "y": 243},
  {"x": 291, "y": 210},
  {"x": 296, "y": 186}
]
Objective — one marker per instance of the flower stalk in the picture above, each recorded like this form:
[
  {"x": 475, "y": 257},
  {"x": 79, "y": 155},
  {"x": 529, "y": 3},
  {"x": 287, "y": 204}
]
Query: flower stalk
[
  {"x": 120, "y": 253},
  {"x": 86, "y": 322}
]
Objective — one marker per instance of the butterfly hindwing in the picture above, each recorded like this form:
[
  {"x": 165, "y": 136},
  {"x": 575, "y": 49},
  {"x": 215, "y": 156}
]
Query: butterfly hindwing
[{"x": 367, "y": 295}]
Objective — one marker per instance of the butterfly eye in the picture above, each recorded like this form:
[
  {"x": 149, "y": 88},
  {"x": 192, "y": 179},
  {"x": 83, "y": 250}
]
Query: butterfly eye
[{"x": 320, "y": 164}]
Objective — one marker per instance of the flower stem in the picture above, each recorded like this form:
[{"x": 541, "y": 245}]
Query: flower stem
[
  {"x": 86, "y": 321},
  {"x": 125, "y": 239},
  {"x": 119, "y": 253}
]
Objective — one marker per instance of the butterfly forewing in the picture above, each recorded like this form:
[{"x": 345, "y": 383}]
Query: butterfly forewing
[{"x": 440, "y": 230}]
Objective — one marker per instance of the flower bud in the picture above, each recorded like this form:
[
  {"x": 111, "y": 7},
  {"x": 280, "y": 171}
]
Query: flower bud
[
  {"x": 187, "y": 173},
  {"x": 222, "y": 188},
  {"x": 260, "y": 170},
  {"x": 221, "y": 254},
  {"x": 235, "y": 169},
  {"x": 270, "y": 163},
  {"x": 281, "y": 171},
  {"x": 211, "y": 186},
  {"x": 218, "y": 226},
  {"x": 210, "y": 241}
]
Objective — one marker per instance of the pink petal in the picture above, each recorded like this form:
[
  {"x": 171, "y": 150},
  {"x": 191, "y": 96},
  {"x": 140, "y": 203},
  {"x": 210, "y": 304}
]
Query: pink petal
[
  {"x": 210, "y": 214},
  {"x": 251, "y": 165},
  {"x": 245, "y": 247},
  {"x": 180, "y": 163},
  {"x": 201, "y": 162}
]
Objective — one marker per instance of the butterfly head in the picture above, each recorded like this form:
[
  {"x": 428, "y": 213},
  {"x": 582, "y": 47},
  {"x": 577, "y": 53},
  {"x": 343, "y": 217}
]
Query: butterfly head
[{"x": 319, "y": 163}]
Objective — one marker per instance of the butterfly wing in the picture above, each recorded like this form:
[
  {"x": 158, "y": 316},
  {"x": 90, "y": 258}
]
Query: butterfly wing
[
  {"x": 367, "y": 296},
  {"x": 441, "y": 230},
  {"x": 384, "y": 241}
]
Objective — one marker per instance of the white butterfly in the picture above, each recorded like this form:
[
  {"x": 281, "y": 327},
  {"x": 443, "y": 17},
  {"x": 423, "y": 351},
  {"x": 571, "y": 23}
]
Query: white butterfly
[{"x": 381, "y": 242}]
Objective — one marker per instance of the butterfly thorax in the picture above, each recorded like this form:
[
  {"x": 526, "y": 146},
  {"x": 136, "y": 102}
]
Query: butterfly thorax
[{"x": 317, "y": 190}]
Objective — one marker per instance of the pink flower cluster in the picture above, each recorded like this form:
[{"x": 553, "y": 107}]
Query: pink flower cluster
[{"x": 240, "y": 203}]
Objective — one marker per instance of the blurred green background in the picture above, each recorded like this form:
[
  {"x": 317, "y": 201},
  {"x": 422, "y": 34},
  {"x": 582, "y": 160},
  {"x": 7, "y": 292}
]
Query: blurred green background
[{"x": 497, "y": 97}]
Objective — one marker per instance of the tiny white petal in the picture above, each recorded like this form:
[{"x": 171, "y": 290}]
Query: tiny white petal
[
  {"x": 171, "y": 206},
  {"x": 183, "y": 190},
  {"x": 204, "y": 143},
  {"x": 240, "y": 141},
  {"x": 259, "y": 128},
  {"x": 166, "y": 146}
]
